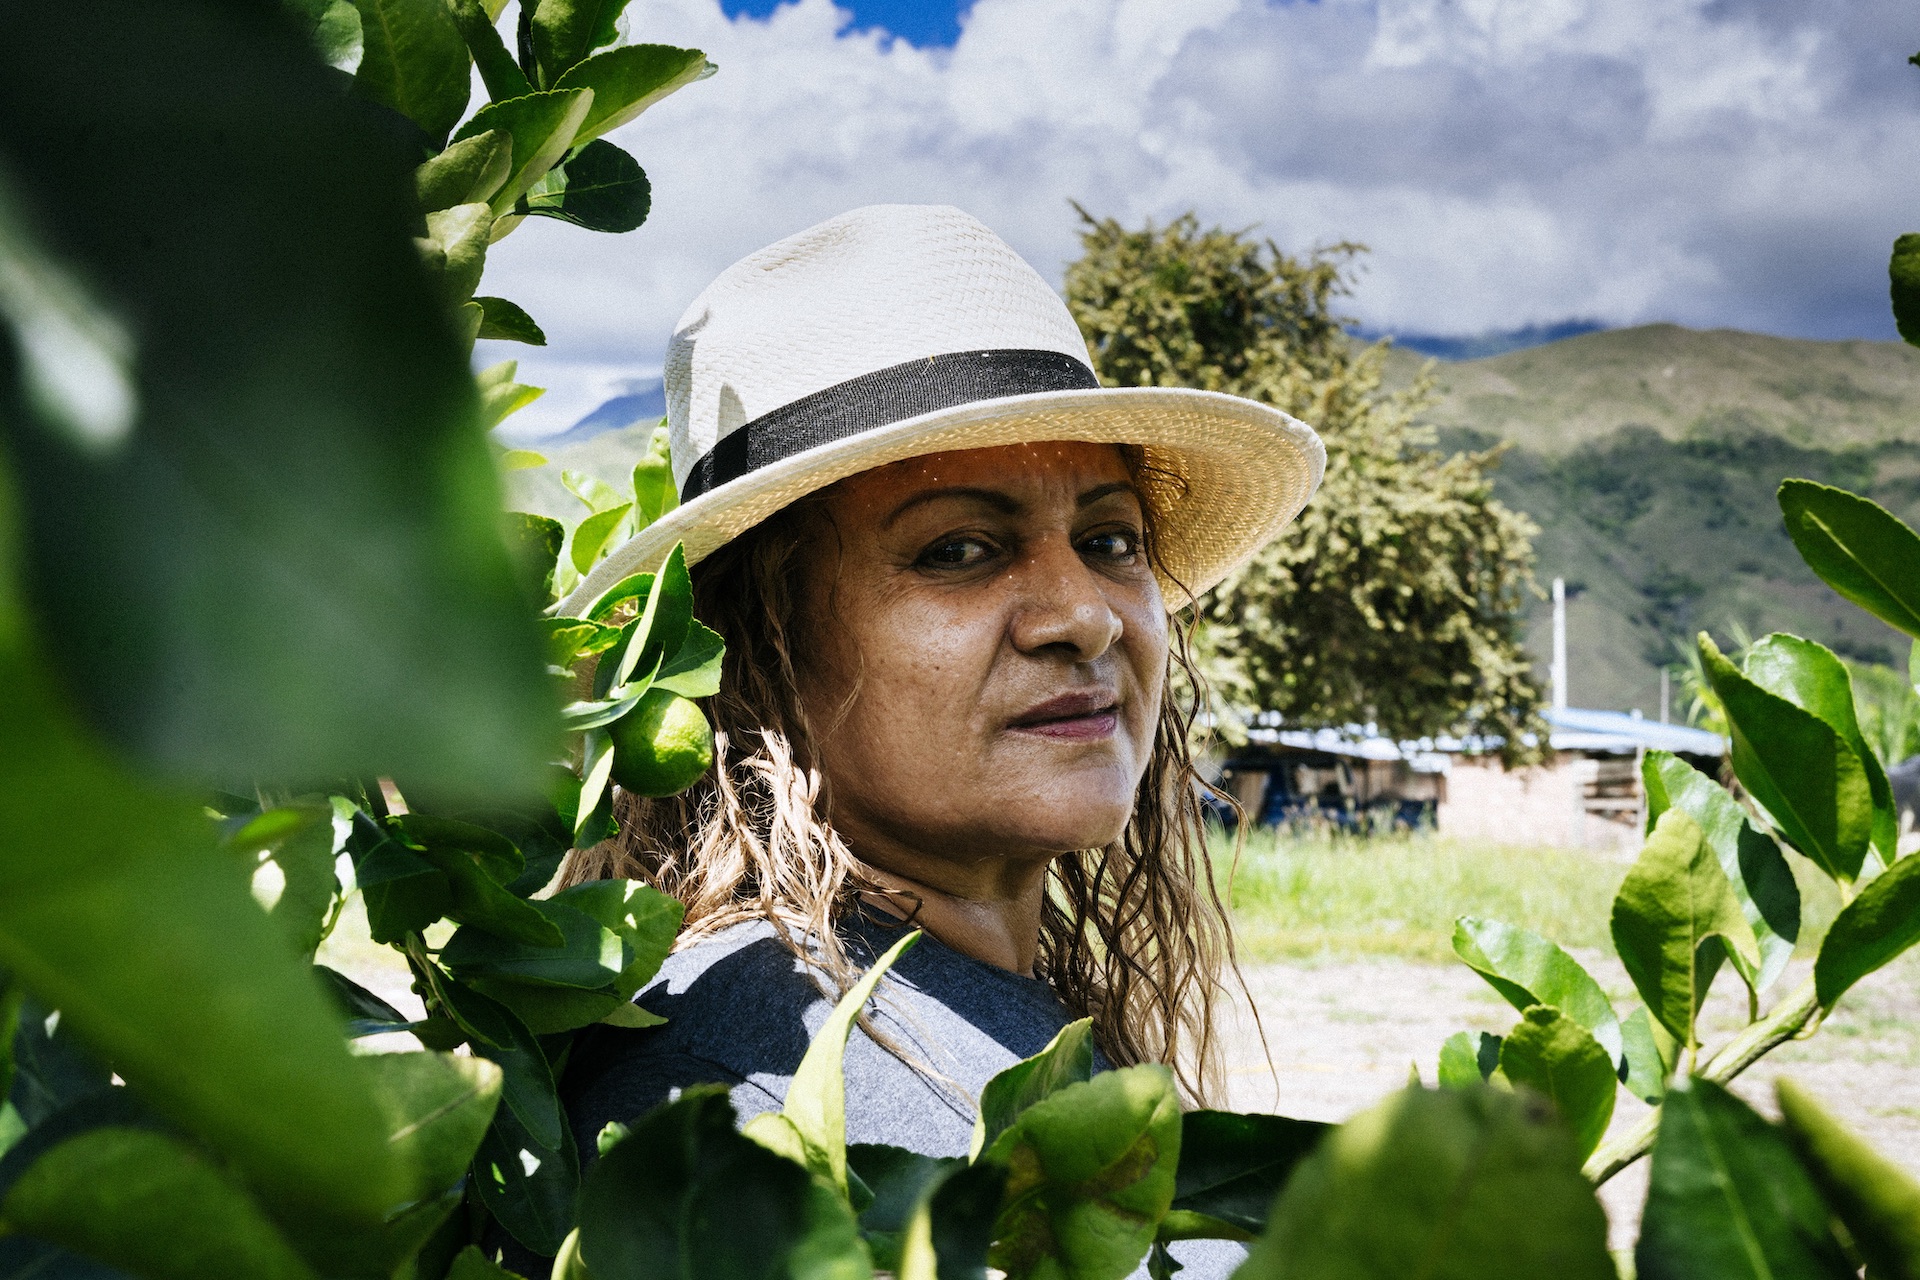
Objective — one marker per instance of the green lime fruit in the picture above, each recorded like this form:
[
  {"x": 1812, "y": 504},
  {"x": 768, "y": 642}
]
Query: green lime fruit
[{"x": 662, "y": 746}]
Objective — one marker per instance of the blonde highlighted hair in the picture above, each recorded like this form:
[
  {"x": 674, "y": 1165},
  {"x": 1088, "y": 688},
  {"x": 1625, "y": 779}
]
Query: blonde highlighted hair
[{"x": 1133, "y": 935}]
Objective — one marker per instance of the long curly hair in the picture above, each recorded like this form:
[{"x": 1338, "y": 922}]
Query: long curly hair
[{"x": 1133, "y": 935}]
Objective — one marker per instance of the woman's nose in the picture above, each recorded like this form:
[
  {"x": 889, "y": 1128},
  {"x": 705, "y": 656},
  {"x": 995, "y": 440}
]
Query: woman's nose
[{"x": 1063, "y": 606}]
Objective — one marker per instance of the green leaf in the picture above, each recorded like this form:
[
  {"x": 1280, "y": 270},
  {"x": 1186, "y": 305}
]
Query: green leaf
[
  {"x": 645, "y": 920},
  {"x": 636, "y": 586},
  {"x": 1067, "y": 1059},
  {"x": 695, "y": 671},
  {"x": 596, "y": 493},
  {"x": 498, "y": 71},
  {"x": 404, "y": 893},
  {"x": 527, "y": 1085},
  {"x": 542, "y": 126},
  {"x": 1459, "y": 1062},
  {"x": 537, "y": 541},
  {"x": 571, "y": 639},
  {"x": 632, "y": 1016},
  {"x": 50, "y": 1071},
  {"x": 600, "y": 187},
  {"x": 1452, "y": 1184},
  {"x": 501, "y": 396},
  {"x": 563, "y": 32},
  {"x": 145, "y": 1202},
  {"x": 615, "y": 934},
  {"x": 333, "y": 26},
  {"x": 590, "y": 535},
  {"x": 950, "y": 1232},
  {"x": 441, "y": 1105},
  {"x": 1674, "y": 919},
  {"x": 521, "y": 459},
  {"x": 1755, "y": 867},
  {"x": 477, "y": 899},
  {"x": 366, "y": 1013},
  {"x": 293, "y": 877},
  {"x": 1728, "y": 1199},
  {"x": 628, "y": 80},
  {"x": 596, "y": 796},
  {"x": 815, "y": 1110},
  {"x": 1877, "y": 1200},
  {"x": 890, "y": 1185},
  {"x": 1555, "y": 1056},
  {"x": 1808, "y": 780},
  {"x": 1869, "y": 931},
  {"x": 686, "y": 1197},
  {"x": 531, "y": 1189},
  {"x": 1090, "y": 1172},
  {"x": 1652, "y": 1054},
  {"x": 660, "y": 630},
  {"x": 1903, "y": 274},
  {"x": 653, "y": 491},
  {"x": 495, "y": 853},
  {"x": 549, "y": 1010},
  {"x": 506, "y": 321},
  {"x": 1527, "y": 970},
  {"x": 1810, "y": 677},
  {"x": 414, "y": 62},
  {"x": 455, "y": 249},
  {"x": 1232, "y": 1167},
  {"x": 468, "y": 172}
]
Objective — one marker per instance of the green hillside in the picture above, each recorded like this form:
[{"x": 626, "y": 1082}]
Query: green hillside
[
  {"x": 1649, "y": 458},
  {"x": 1683, "y": 383}
]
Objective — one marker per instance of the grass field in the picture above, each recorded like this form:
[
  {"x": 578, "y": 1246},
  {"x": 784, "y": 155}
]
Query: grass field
[{"x": 1301, "y": 896}]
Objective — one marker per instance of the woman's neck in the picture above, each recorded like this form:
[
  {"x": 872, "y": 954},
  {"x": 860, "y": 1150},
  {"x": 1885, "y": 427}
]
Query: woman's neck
[{"x": 987, "y": 910}]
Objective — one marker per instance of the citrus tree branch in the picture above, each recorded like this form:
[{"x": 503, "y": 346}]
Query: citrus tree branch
[{"x": 1745, "y": 1049}]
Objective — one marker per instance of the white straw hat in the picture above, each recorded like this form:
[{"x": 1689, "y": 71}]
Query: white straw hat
[{"x": 900, "y": 330}]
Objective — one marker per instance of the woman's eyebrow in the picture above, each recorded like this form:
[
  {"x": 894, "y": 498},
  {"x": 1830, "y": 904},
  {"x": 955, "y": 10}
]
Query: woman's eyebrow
[
  {"x": 1098, "y": 492},
  {"x": 1003, "y": 503}
]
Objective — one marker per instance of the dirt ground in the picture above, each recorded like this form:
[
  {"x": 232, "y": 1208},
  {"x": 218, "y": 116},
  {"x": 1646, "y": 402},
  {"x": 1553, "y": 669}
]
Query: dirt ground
[{"x": 1343, "y": 1033}]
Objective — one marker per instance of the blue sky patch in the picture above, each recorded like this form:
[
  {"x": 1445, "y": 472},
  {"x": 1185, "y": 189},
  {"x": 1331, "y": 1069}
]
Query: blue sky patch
[{"x": 921, "y": 23}]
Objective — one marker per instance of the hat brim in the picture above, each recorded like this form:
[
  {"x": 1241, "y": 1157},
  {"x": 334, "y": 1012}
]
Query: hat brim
[{"x": 1226, "y": 474}]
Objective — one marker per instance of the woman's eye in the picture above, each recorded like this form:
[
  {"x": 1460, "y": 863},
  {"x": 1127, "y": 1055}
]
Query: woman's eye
[
  {"x": 956, "y": 553},
  {"x": 1117, "y": 544}
]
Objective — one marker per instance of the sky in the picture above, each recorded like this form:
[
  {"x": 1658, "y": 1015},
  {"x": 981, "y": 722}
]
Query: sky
[{"x": 1511, "y": 164}]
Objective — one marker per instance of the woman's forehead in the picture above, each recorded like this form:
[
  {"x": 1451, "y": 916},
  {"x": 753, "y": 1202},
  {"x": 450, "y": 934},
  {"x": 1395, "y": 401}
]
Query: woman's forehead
[{"x": 1073, "y": 465}]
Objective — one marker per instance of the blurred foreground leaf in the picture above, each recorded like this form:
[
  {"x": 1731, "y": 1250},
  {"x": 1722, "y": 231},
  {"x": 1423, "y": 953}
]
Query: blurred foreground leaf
[
  {"x": 143, "y": 1201},
  {"x": 1877, "y": 1200},
  {"x": 291, "y": 566},
  {"x": 1729, "y": 1200},
  {"x": 1454, "y": 1184}
]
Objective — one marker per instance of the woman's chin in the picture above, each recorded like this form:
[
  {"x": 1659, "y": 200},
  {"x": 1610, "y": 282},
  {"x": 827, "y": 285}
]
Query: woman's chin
[{"x": 1069, "y": 823}]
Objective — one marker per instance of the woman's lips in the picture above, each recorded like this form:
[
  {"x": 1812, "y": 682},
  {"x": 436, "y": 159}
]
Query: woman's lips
[{"x": 1074, "y": 717}]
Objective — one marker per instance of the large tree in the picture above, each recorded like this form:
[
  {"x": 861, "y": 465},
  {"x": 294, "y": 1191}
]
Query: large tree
[{"x": 1396, "y": 599}]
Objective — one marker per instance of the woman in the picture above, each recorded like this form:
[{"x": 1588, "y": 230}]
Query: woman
[{"x": 943, "y": 561}]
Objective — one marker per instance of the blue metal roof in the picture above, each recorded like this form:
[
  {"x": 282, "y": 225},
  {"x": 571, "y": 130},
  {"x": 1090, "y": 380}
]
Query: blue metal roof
[
  {"x": 1578, "y": 729},
  {"x": 1573, "y": 729}
]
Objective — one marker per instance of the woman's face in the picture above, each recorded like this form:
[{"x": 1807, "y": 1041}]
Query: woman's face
[{"x": 984, "y": 654}]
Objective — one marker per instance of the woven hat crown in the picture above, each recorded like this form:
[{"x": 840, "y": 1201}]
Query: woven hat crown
[{"x": 871, "y": 289}]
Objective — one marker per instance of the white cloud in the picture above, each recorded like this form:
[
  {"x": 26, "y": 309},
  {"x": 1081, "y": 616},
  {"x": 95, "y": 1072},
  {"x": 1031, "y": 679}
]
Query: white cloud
[{"x": 1715, "y": 162}]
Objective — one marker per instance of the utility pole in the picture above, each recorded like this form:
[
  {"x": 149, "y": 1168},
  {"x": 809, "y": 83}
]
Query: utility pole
[
  {"x": 1663, "y": 695},
  {"x": 1558, "y": 674}
]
